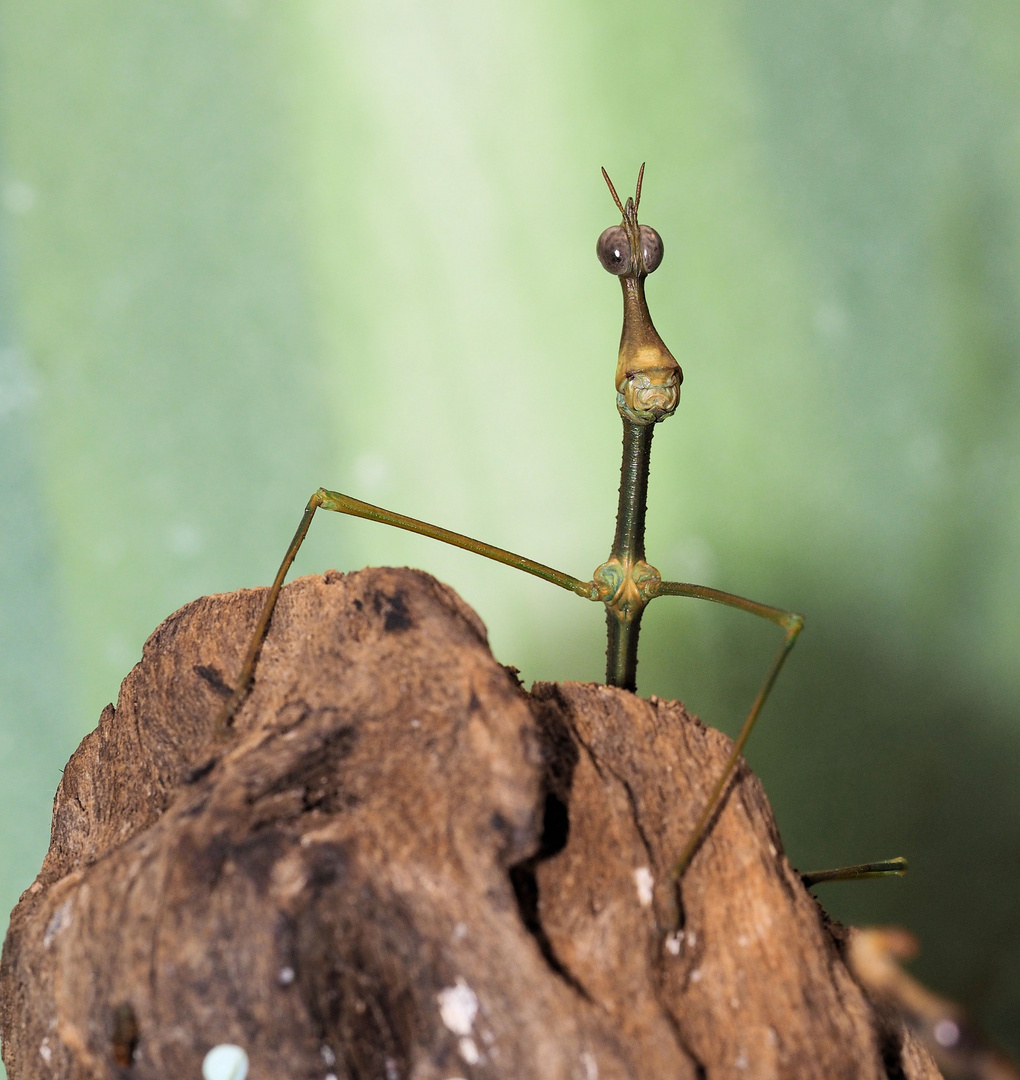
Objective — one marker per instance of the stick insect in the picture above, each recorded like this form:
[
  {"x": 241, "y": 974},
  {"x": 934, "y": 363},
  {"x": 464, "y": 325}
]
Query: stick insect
[{"x": 648, "y": 382}]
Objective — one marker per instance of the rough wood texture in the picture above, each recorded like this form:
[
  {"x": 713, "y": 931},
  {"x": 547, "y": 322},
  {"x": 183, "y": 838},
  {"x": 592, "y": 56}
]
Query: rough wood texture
[{"x": 405, "y": 866}]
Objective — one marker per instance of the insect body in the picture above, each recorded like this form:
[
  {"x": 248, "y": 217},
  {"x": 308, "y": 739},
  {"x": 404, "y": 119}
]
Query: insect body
[{"x": 647, "y": 392}]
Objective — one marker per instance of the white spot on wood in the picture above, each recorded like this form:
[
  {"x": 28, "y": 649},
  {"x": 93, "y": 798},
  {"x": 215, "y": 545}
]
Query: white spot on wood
[
  {"x": 390, "y": 1067},
  {"x": 947, "y": 1033},
  {"x": 696, "y": 975},
  {"x": 460, "y": 931},
  {"x": 644, "y": 881},
  {"x": 45, "y": 1052},
  {"x": 225, "y": 1062},
  {"x": 469, "y": 1051},
  {"x": 326, "y": 1052},
  {"x": 60, "y": 920},
  {"x": 285, "y": 976},
  {"x": 458, "y": 1007},
  {"x": 692, "y": 938},
  {"x": 591, "y": 1066},
  {"x": 673, "y": 943}
]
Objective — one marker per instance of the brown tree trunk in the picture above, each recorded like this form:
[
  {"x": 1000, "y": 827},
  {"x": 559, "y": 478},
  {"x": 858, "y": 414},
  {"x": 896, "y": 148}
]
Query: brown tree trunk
[{"x": 403, "y": 865}]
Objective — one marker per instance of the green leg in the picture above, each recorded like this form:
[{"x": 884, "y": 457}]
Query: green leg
[
  {"x": 886, "y": 868},
  {"x": 344, "y": 504},
  {"x": 792, "y": 624}
]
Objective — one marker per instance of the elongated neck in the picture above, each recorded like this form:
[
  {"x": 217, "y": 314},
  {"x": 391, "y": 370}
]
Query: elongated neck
[
  {"x": 629, "y": 543},
  {"x": 637, "y": 322}
]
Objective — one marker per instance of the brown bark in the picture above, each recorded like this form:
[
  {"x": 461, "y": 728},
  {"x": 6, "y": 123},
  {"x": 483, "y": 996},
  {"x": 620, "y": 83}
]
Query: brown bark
[{"x": 404, "y": 865}]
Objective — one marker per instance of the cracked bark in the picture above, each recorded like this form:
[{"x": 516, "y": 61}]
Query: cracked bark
[{"x": 403, "y": 865}]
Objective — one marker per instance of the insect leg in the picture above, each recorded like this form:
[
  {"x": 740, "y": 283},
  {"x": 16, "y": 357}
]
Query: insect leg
[
  {"x": 345, "y": 504},
  {"x": 886, "y": 868},
  {"x": 792, "y": 624}
]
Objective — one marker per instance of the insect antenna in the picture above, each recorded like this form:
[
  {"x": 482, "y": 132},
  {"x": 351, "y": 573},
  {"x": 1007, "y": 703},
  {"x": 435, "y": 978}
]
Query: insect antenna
[
  {"x": 616, "y": 198},
  {"x": 637, "y": 193}
]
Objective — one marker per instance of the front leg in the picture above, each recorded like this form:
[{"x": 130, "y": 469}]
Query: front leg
[{"x": 345, "y": 504}]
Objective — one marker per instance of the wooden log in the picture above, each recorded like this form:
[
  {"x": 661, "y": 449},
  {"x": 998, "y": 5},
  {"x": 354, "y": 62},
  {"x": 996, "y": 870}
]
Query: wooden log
[{"x": 403, "y": 865}]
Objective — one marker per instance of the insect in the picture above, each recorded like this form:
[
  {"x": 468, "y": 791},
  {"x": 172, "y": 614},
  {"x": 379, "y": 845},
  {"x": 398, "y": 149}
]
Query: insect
[{"x": 648, "y": 382}]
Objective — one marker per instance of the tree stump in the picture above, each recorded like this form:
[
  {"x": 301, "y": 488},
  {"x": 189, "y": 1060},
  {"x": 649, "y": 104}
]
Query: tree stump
[{"x": 401, "y": 864}]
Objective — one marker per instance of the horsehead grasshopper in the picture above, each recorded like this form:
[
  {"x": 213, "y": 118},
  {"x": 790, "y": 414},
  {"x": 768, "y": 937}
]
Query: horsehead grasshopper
[{"x": 647, "y": 392}]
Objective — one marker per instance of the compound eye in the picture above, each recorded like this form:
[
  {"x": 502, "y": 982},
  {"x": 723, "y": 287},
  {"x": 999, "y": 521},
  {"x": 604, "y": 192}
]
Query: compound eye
[
  {"x": 613, "y": 250},
  {"x": 651, "y": 248}
]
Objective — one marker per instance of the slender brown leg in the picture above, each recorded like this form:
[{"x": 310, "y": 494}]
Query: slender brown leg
[
  {"x": 792, "y": 624},
  {"x": 886, "y": 868},
  {"x": 344, "y": 504}
]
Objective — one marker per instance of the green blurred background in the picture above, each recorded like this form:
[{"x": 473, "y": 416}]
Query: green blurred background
[{"x": 250, "y": 248}]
